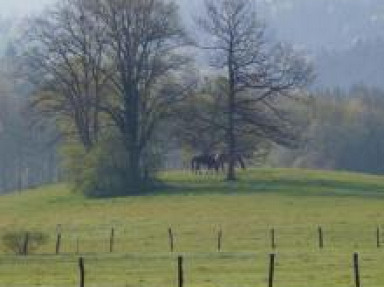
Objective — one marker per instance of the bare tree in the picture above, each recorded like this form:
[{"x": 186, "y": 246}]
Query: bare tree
[
  {"x": 116, "y": 59},
  {"x": 65, "y": 59},
  {"x": 144, "y": 41},
  {"x": 258, "y": 73},
  {"x": 198, "y": 122}
]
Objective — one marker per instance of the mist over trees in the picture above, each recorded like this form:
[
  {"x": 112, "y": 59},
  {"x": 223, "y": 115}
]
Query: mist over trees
[
  {"x": 344, "y": 37},
  {"x": 28, "y": 156},
  {"x": 361, "y": 63},
  {"x": 345, "y": 132}
]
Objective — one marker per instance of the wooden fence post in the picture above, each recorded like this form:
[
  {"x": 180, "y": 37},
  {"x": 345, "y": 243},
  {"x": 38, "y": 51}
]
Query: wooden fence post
[
  {"x": 219, "y": 240},
  {"x": 321, "y": 237},
  {"x": 271, "y": 269},
  {"x": 356, "y": 269},
  {"x": 378, "y": 243},
  {"x": 81, "y": 269},
  {"x": 111, "y": 240},
  {"x": 26, "y": 242},
  {"x": 58, "y": 243},
  {"x": 273, "y": 238},
  {"x": 171, "y": 239},
  {"x": 180, "y": 271},
  {"x": 77, "y": 246}
]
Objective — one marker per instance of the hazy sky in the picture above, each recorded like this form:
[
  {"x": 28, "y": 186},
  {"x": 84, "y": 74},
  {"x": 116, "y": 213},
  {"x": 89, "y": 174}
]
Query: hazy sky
[
  {"x": 308, "y": 23},
  {"x": 21, "y": 7}
]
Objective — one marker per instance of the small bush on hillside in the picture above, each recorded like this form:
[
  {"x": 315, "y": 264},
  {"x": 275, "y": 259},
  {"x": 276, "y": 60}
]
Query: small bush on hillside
[
  {"x": 103, "y": 171},
  {"x": 100, "y": 172},
  {"x": 14, "y": 241}
]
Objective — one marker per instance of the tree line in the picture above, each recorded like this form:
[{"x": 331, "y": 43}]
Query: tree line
[
  {"x": 28, "y": 156},
  {"x": 344, "y": 132}
]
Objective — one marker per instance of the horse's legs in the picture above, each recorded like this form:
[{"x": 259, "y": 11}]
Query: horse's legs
[
  {"x": 216, "y": 168},
  {"x": 208, "y": 168},
  {"x": 241, "y": 162},
  {"x": 195, "y": 166},
  {"x": 222, "y": 163},
  {"x": 199, "y": 168}
]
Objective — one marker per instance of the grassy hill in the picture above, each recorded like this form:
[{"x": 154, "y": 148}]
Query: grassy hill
[{"x": 348, "y": 206}]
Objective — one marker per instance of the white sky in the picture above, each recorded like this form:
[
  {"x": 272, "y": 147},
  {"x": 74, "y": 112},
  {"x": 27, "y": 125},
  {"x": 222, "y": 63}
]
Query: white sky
[{"x": 10, "y": 8}]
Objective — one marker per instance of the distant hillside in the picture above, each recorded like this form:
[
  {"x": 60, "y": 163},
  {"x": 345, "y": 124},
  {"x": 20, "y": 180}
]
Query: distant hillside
[{"x": 341, "y": 35}]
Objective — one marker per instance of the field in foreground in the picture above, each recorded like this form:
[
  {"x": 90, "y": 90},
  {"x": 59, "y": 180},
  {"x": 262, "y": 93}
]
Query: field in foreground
[{"x": 349, "y": 207}]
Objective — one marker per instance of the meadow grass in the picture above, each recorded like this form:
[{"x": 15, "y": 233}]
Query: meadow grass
[{"x": 348, "y": 206}]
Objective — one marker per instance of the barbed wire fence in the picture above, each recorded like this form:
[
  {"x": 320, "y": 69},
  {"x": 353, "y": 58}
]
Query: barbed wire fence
[
  {"x": 267, "y": 270},
  {"x": 118, "y": 256}
]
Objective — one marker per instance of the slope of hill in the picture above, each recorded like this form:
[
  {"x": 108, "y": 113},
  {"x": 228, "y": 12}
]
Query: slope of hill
[{"x": 56, "y": 204}]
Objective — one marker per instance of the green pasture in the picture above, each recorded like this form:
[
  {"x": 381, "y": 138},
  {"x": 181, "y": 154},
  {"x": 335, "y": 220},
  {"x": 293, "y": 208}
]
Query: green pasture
[{"x": 349, "y": 207}]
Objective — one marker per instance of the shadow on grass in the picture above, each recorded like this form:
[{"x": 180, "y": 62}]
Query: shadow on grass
[
  {"x": 284, "y": 182},
  {"x": 299, "y": 187}
]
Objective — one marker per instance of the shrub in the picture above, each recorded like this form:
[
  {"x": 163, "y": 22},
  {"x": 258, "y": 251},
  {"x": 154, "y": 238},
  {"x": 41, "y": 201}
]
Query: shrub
[
  {"x": 103, "y": 171},
  {"x": 15, "y": 240},
  {"x": 100, "y": 172}
]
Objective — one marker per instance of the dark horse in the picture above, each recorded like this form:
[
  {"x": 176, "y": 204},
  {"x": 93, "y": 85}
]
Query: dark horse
[
  {"x": 222, "y": 159},
  {"x": 205, "y": 160}
]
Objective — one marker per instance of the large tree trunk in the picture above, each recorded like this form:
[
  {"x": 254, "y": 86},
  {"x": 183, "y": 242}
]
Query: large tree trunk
[
  {"x": 135, "y": 180},
  {"x": 231, "y": 176},
  {"x": 132, "y": 138}
]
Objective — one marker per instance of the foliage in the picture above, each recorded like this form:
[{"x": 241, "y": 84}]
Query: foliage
[
  {"x": 198, "y": 120},
  {"x": 15, "y": 240},
  {"x": 258, "y": 74},
  {"x": 27, "y": 143},
  {"x": 97, "y": 68},
  {"x": 200, "y": 124},
  {"x": 345, "y": 132},
  {"x": 103, "y": 171},
  {"x": 99, "y": 172}
]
